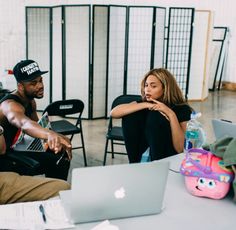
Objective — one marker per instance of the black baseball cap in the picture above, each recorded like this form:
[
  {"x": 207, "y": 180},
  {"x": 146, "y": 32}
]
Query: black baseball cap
[{"x": 27, "y": 70}]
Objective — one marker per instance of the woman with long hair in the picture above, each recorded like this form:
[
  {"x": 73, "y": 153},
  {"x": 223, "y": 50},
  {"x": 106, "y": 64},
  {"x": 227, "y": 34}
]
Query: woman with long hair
[{"x": 158, "y": 121}]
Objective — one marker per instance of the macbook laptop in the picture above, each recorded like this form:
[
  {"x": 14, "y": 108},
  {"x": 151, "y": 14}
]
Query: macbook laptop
[
  {"x": 223, "y": 128},
  {"x": 27, "y": 143},
  {"x": 116, "y": 191}
]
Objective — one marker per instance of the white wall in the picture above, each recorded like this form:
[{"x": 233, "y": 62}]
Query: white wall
[
  {"x": 12, "y": 21},
  {"x": 12, "y": 36}
]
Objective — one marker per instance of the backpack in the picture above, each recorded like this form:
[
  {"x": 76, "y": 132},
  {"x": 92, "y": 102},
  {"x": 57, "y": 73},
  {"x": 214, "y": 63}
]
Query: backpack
[{"x": 205, "y": 174}]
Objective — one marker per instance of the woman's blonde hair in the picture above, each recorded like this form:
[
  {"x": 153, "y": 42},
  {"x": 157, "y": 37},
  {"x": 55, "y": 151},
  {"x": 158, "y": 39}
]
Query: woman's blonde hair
[{"x": 172, "y": 94}]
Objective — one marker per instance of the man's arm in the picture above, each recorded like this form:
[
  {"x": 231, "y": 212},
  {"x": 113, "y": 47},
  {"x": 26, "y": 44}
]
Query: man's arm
[{"x": 15, "y": 114}]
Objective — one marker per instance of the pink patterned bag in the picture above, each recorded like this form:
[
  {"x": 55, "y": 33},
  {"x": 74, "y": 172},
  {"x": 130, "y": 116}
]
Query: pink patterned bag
[{"x": 205, "y": 174}]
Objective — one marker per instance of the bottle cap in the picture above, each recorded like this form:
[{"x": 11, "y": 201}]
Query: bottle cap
[{"x": 195, "y": 115}]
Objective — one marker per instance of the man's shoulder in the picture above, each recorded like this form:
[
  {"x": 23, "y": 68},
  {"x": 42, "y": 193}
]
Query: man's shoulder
[
  {"x": 11, "y": 101},
  {"x": 11, "y": 97}
]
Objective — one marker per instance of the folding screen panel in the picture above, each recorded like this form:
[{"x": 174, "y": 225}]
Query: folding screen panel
[
  {"x": 66, "y": 48},
  {"x": 38, "y": 45},
  {"x": 179, "y": 45},
  {"x": 57, "y": 54},
  {"x": 224, "y": 58},
  {"x": 125, "y": 43},
  {"x": 76, "y": 54},
  {"x": 139, "y": 46},
  {"x": 160, "y": 15},
  {"x": 219, "y": 53},
  {"x": 116, "y": 53},
  {"x": 99, "y": 60},
  {"x": 201, "y": 50},
  {"x": 126, "y": 30}
]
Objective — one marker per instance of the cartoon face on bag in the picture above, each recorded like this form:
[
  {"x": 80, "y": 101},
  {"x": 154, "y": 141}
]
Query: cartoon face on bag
[
  {"x": 205, "y": 174},
  {"x": 205, "y": 187}
]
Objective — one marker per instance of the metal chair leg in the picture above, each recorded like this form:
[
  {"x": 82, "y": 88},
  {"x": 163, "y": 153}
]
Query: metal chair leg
[
  {"x": 105, "y": 153},
  {"x": 112, "y": 149},
  {"x": 83, "y": 148}
]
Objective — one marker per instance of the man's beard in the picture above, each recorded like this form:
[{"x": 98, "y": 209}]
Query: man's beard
[{"x": 32, "y": 96}]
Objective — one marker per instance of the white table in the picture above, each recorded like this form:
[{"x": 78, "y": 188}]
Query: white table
[{"x": 182, "y": 210}]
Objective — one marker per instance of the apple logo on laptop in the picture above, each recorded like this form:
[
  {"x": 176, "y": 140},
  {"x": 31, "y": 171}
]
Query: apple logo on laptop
[{"x": 120, "y": 193}]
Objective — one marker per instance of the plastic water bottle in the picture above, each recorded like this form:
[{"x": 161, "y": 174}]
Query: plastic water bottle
[
  {"x": 146, "y": 156},
  {"x": 194, "y": 136}
]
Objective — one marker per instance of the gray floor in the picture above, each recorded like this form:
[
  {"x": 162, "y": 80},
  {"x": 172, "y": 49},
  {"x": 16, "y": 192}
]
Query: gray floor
[{"x": 219, "y": 104}]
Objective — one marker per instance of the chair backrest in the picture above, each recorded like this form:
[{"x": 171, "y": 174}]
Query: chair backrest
[
  {"x": 122, "y": 99},
  {"x": 4, "y": 92},
  {"x": 64, "y": 107}
]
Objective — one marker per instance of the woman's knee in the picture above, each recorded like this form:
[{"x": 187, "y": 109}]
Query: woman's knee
[
  {"x": 156, "y": 120},
  {"x": 156, "y": 116},
  {"x": 134, "y": 118}
]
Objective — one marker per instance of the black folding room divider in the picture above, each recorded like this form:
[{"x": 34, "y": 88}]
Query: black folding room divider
[
  {"x": 59, "y": 39},
  {"x": 179, "y": 45},
  {"x": 38, "y": 45},
  {"x": 124, "y": 48},
  {"x": 117, "y": 54},
  {"x": 99, "y": 60},
  {"x": 220, "y": 52},
  {"x": 96, "y": 53}
]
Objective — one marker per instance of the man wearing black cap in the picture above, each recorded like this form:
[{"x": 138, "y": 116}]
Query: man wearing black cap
[{"x": 18, "y": 113}]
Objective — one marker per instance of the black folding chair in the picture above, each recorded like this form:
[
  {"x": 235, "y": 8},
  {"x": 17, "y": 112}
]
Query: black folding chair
[
  {"x": 63, "y": 108},
  {"x": 115, "y": 133},
  {"x": 15, "y": 162}
]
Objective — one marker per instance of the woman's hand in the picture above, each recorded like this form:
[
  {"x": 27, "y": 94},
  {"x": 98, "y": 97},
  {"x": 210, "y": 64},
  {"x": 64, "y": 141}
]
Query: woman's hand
[{"x": 161, "y": 107}]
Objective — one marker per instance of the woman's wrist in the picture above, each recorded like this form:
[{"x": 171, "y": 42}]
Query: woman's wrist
[
  {"x": 171, "y": 114},
  {"x": 147, "y": 105}
]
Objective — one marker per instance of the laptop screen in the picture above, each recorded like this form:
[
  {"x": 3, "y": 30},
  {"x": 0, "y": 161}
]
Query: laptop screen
[
  {"x": 111, "y": 192},
  {"x": 44, "y": 121},
  {"x": 223, "y": 128}
]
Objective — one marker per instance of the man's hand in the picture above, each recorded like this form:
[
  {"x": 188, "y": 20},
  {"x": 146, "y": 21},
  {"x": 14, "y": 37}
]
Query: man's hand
[
  {"x": 66, "y": 146},
  {"x": 57, "y": 143}
]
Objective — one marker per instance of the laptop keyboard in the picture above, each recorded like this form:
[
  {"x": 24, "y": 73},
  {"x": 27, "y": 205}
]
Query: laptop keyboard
[{"x": 36, "y": 145}]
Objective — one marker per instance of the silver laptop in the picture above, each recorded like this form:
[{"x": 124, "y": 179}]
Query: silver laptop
[
  {"x": 223, "y": 128},
  {"x": 117, "y": 191},
  {"x": 27, "y": 143}
]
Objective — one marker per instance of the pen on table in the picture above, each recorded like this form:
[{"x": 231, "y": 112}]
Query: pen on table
[{"x": 41, "y": 209}]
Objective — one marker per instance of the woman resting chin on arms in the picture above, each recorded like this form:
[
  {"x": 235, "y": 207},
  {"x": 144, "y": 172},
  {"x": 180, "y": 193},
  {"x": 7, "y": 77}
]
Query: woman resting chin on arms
[{"x": 158, "y": 121}]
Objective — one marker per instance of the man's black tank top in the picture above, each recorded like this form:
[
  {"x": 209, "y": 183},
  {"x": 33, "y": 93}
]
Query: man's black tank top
[{"x": 10, "y": 130}]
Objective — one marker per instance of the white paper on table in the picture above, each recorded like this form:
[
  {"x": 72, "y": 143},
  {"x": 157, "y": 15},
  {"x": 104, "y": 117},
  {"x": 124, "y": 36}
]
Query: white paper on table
[
  {"x": 28, "y": 216},
  {"x": 105, "y": 225}
]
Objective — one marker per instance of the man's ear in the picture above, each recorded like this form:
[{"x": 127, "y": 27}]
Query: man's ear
[{"x": 20, "y": 86}]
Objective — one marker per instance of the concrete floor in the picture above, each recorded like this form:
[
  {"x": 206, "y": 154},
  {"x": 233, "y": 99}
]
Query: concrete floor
[{"x": 219, "y": 104}]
